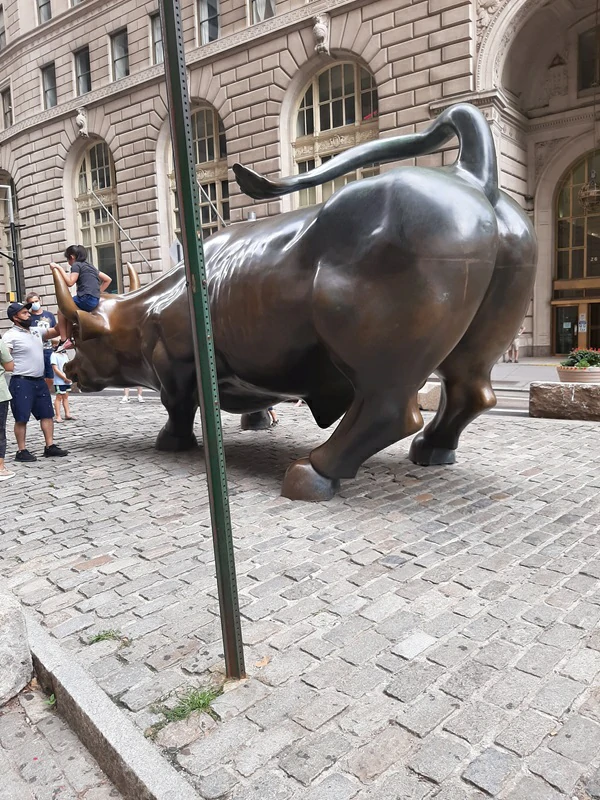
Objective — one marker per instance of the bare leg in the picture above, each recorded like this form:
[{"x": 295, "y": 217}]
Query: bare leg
[
  {"x": 20, "y": 433},
  {"x": 57, "y": 405},
  {"x": 47, "y": 426},
  {"x": 67, "y": 410}
]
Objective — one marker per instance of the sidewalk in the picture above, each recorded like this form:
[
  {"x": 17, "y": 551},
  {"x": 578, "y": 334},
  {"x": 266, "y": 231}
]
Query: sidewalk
[
  {"x": 41, "y": 759},
  {"x": 429, "y": 633},
  {"x": 528, "y": 370}
]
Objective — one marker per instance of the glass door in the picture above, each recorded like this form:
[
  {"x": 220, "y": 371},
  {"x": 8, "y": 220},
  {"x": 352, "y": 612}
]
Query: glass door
[
  {"x": 565, "y": 329},
  {"x": 594, "y": 326}
]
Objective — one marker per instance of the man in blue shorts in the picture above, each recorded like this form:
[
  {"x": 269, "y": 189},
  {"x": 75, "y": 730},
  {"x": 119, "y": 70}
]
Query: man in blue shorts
[{"x": 30, "y": 394}]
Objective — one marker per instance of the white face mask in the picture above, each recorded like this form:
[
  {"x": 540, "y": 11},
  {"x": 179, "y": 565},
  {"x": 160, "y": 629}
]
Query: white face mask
[{"x": 36, "y": 306}]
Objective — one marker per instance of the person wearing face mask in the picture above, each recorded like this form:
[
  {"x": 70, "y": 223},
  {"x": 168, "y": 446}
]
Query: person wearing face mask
[
  {"x": 43, "y": 320},
  {"x": 30, "y": 394}
]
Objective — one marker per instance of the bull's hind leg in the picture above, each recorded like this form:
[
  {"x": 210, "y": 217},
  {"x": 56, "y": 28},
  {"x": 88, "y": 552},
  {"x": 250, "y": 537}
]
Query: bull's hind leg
[
  {"x": 466, "y": 393},
  {"x": 372, "y": 423}
]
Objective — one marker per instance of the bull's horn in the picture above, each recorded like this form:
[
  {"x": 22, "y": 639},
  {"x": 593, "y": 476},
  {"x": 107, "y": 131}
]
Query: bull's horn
[
  {"x": 91, "y": 325},
  {"x": 63, "y": 296},
  {"x": 134, "y": 278}
]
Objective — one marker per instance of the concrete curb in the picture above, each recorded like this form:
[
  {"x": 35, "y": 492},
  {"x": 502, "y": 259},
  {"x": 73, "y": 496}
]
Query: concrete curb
[{"x": 131, "y": 762}]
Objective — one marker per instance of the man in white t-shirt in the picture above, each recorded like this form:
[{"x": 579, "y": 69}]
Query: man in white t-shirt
[{"x": 30, "y": 394}]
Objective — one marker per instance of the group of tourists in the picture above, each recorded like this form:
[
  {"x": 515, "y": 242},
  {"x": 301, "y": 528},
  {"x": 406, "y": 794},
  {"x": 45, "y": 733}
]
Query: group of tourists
[{"x": 33, "y": 351}]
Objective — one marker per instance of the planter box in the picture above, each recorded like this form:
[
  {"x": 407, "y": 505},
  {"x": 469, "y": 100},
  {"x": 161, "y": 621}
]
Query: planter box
[
  {"x": 576, "y": 375},
  {"x": 565, "y": 401}
]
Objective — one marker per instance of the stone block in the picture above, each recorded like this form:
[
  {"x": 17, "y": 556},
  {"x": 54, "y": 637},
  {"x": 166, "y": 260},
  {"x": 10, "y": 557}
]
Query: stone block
[
  {"x": 429, "y": 396},
  {"x": 565, "y": 401},
  {"x": 15, "y": 658}
]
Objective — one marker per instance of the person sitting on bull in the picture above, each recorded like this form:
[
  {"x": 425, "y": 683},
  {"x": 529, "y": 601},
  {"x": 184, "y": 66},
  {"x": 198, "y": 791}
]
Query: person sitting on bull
[{"x": 89, "y": 283}]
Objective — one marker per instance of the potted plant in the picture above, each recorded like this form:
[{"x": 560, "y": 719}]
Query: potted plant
[{"x": 581, "y": 366}]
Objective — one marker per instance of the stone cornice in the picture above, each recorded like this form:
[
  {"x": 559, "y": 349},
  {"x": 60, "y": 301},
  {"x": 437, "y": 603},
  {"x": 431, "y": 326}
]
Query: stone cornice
[
  {"x": 495, "y": 100},
  {"x": 253, "y": 34}
]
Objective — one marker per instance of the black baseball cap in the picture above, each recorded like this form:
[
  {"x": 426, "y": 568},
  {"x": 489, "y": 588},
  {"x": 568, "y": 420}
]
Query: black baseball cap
[{"x": 14, "y": 309}]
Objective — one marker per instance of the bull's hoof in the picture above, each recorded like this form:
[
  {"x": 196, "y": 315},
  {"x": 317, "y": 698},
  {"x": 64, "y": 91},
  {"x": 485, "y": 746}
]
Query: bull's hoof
[
  {"x": 303, "y": 482},
  {"x": 427, "y": 455},
  {"x": 256, "y": 421},
  {"x": 169, "y": 442}
]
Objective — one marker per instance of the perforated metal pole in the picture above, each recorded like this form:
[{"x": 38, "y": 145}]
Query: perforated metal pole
[{"x": 206, "y": 371}]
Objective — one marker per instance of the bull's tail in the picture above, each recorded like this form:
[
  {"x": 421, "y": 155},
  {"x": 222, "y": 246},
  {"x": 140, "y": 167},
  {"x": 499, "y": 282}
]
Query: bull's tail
[{"x": 476, "y": 156}]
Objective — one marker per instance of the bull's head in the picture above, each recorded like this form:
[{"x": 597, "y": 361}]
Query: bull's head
[{"x": 107, "y": 339}]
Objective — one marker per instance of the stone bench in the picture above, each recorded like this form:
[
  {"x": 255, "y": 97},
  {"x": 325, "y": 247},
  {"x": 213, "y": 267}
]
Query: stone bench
[{"x": 565, "y": 401}]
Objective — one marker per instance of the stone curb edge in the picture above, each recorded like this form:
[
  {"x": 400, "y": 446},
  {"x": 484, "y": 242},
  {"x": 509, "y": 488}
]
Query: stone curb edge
[{"x": 126, "y": 756}]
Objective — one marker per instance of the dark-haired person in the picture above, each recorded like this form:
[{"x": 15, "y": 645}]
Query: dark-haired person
[
  {"x": 89, "y": 283},
  {"x": 28, "y": 388},
  {"x": 42, "y": 319}
]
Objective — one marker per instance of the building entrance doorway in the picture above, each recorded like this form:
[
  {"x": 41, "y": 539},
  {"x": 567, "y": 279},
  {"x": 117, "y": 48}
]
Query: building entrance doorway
[{"x": 576, "y": 326}]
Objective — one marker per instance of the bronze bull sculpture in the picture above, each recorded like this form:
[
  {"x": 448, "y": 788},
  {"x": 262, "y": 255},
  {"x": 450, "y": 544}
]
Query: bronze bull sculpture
[{"x": 350, "y": 305}]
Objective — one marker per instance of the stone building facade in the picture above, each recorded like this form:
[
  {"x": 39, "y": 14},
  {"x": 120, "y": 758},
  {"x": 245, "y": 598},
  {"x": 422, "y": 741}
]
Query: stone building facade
[{"x": 281, "y": 85}]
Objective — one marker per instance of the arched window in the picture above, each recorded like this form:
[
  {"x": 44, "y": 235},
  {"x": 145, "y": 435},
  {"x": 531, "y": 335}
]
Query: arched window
[
  {"x": 96, "y": 209},
  {"x": 576, "y": 286},
  {"x": 209, "y": 146},
  {"x": 339, "y": 109},
  {"x": 10, "y": 240}
]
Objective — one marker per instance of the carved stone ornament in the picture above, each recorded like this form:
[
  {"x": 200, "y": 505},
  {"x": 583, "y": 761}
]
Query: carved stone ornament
[
  {"x": 485, "y": 11},
  {"x": 321, "y": 27},
  {"x": 81, "y": 122},
  {"x": 544, "y": 152}
]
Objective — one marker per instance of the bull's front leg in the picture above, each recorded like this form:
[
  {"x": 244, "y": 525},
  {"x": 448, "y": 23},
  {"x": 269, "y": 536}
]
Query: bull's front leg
[
  {"x": 179, "y": 396},
  {"x": 177, "y": 434}
]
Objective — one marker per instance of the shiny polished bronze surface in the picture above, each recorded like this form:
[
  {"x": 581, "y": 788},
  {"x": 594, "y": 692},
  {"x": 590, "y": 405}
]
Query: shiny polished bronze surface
[{"x": 350, "y": 305}]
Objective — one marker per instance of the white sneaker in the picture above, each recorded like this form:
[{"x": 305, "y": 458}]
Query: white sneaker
[
  {"x": 124, "y": 400},
  {"x": 6, "y": 474},
  {"x": 141, "y": 400}
]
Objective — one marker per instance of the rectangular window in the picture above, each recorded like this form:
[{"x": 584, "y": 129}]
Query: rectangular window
[
  {"x": 261, "y": 10},
  {"x": 83, "y": 75},
  {"x": 7, "y": 112},
  {"x": 588, "y": 66},
  {"x": 208, "y": 18},
  {"x": 120, "y": 54},
  {"x": 49, "y": 85},
  {"x": 158, "y": 55},
  {"x": 44, "y": 11},
  {"x": 2, "y": 29},
  {"x": 75, "y": 3}
]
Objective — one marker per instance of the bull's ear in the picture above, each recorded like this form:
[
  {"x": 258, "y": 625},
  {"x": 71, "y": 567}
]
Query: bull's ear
[{"x": 91, "y": 326}]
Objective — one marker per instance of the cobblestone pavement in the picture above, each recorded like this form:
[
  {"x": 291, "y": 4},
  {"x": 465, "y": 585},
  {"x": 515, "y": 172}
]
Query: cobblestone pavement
[
  {"x": 429, "y": 633},
  {"x": 42, "y": 759}
]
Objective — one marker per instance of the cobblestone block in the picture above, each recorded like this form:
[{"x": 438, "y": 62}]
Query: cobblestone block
[
  {"x": 265, "y": 745},
  {"x": 402, "y": 784},
  {"x": 333, "y": 787},
  {"x": 533, "y": 789},
  {"x": 422, "y": 716},
  {"x": 539, "y": 660},
  {"x": 384, "y": 750},
  {"x": 413, "y": 645},
  {"x": 526, "y": 732},
  {"x": 438, "y": 757},
  {"x": 510, "y": 691},
  {"x": 468, "y": 679},
  {"x": 216, "y": 784},
  {"x": 555, "y": 770},
  {"x": 475, "y": 721},
  {"x": 497, "y": 654},
  {"x": 491, "y": 770},
  {"x": 239, "y": 697},
  {"x": 327, "y": 705},
  {"x": 557, "y": 695},
  {"x": 308, "y": 760},
  {"x": 452, "y": 652},
  {"x": 270, "y": 785},
  {"x": 578, "y": 740},
  {"x": 583, "y": 666},
  {"x": 281, "y": 703},
  {"x": 365, "y": 647},
  {"x": 413, "y": 679},
  {"x": 217, "y": 747}
]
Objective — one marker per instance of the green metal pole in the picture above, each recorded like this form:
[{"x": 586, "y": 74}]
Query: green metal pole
[{"x": 206, "y": 371}]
